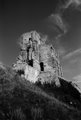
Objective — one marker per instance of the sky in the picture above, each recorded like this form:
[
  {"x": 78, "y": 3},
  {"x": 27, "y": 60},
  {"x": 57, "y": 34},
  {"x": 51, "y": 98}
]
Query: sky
[{"x": 60, "y": 20}]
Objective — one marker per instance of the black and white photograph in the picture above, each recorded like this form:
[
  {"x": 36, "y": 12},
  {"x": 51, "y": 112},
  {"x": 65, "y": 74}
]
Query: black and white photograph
[{"x": 40, "y": 60}]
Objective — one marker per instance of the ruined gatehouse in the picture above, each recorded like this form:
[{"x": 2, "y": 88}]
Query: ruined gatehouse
[{"x": 37, "y": 61}]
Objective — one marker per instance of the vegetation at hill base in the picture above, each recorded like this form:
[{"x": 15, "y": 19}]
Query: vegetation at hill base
[{"x": 22, "y": 100}]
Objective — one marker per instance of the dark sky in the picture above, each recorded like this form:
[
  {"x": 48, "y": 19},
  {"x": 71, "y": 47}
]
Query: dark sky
[
  {"x": 20, "y": 16},
  {"x": 17, "y": 17}
]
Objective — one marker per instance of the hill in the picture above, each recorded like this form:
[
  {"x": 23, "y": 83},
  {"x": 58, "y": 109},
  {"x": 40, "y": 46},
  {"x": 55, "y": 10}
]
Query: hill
[{"x": 23, "y": 100}]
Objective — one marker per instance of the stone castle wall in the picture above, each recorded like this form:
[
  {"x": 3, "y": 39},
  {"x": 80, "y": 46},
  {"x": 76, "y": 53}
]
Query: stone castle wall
[{"x": 38, "y": 60}]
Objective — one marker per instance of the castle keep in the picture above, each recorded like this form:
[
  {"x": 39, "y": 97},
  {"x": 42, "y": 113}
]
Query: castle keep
[{"x": 37, "y": 61}]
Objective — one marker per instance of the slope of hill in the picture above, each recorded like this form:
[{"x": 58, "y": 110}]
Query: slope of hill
[
  {"x": 66, "y": 93},
  {"x": 23, "y": 100}
]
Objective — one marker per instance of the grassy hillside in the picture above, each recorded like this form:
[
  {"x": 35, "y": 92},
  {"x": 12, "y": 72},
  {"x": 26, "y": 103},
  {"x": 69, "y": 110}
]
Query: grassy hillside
[
  {"x": 65, "y": 93},
  {"x": 22, "y": 100}
]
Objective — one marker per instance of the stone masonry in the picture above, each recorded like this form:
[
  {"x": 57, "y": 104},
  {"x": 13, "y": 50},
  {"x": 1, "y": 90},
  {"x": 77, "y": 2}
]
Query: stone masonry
[{"x": 37, "y": 61}]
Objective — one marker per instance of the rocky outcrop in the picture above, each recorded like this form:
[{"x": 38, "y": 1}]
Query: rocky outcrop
[{"x": 37, "y": 60}]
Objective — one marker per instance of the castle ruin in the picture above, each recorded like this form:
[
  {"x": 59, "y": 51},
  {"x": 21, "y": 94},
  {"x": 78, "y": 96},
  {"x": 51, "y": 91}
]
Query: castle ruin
[{"x": 37, "y": 61}]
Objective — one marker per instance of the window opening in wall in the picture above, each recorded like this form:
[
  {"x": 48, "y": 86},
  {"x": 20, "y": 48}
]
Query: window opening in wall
[
  {"x": 30, "y": 62},
  {"x": 42, "y": 66},
  {"x": 21, "y": 72}
]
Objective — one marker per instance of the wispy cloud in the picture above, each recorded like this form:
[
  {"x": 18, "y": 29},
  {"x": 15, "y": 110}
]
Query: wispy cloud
[
  {"x": 61, "y": 51},
  {"x": 57, "y": 19},
  {"x": 70, "y": 60},
  {"x": 61, "y": 26},
  {"x": 77, "y": 79},
  {"x": 73, "y": 53},
  {"x": 2, "y": 65},
  {"x": 75, "y": 3},
  {"x": 58, "y": 22}
]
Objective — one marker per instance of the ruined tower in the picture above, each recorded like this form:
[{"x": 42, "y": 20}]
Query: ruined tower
[{"x": 37, "y": 61}]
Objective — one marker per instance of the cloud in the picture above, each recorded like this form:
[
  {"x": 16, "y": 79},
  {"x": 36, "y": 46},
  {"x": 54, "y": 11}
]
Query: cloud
[
  {"x": 57, "y": 21},
  {"x": 70, "y": 60},
  {"x": 60, "y": 49},
  {"x": 77, "y": 79},
  {"x": 2, "y": 65},
  {"x": 72, "y": 64},
  {"x": 77, "y": 82},
  {"x": 73, "y": 53},
  {"x": 75, "y": 3}
]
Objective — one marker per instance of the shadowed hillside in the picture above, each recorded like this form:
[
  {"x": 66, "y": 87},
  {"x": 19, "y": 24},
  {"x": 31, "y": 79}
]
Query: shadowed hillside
[
  {"x": 23, "y": 100},
  {"x": 66, "y": 93}
]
